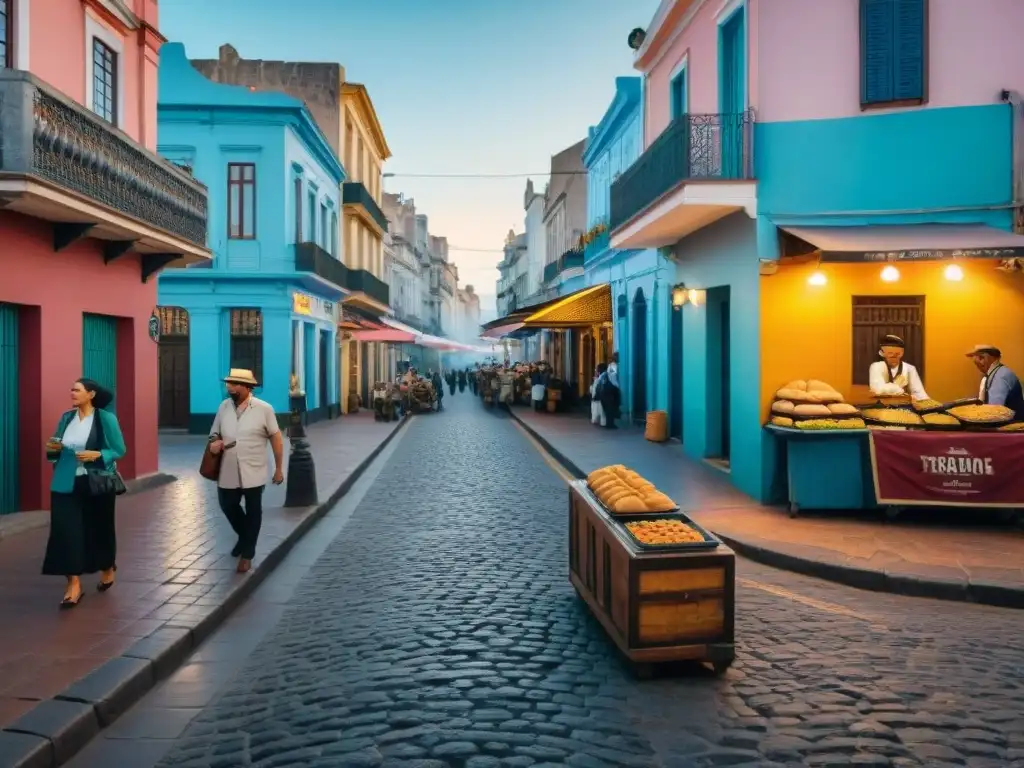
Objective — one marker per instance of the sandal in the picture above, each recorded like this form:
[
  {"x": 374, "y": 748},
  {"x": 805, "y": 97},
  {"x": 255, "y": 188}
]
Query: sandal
[
  {"x": 103, "y": 586},
  {"x": 67, "y": 603}
]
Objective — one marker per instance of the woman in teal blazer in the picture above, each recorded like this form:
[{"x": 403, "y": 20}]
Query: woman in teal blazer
[{"x": 82, "y": 536}]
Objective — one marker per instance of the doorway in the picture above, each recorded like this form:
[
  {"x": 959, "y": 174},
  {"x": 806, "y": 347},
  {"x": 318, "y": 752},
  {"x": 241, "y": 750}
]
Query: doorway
[
  {"x": 718, "y": 388},
  {"x": 639, "y": 377},
  {"x": 732, "y": 64},
  {"x": 675, "y": 405},
  {"x": 589, "y": 360},
  {"x": 173, "y": 368},
  {"x": 9, "y": 409},
  {"x": 99, "y": 352},
  {"x": 325, "y": 354}
]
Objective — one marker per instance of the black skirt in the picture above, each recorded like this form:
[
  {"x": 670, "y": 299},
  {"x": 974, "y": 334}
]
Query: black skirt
[{"x": 82, "y": 532}]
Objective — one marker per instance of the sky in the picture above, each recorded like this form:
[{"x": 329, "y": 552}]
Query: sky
[{"x": 460, "y": 87}]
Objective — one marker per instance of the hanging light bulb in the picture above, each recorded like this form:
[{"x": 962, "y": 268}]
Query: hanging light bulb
[
  {"x": 954, "y": 273},
  {"x": 817, "y": 278},
  {"x": 890, "y": 274}
]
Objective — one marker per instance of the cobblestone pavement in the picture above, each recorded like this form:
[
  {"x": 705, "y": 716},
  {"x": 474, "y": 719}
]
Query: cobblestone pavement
[{"x": 439, "y": 629}]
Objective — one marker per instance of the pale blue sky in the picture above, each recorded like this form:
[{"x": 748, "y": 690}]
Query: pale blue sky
[{"x": 460, "y": 86}]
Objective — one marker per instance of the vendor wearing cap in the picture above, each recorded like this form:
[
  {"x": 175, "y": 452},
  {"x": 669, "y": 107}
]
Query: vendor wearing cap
[
  {"x": 891, "y": 375},
  {"x": 999, "y": 385}
]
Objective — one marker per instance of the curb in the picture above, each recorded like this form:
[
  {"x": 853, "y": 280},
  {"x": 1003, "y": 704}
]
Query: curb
[
  {"x": 53, "y": 731},
  {"x": 908, "y": 584}
]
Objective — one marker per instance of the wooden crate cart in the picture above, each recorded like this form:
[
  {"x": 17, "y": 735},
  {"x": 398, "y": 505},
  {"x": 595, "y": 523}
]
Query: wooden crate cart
[{"x": 657, "y": 606}]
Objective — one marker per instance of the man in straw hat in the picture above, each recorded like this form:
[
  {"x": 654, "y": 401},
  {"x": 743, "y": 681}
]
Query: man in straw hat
[
  {"x": 892, "y": 375},
  {"x": 241, "y": 429},
  {"x": 999, "y": 385}
]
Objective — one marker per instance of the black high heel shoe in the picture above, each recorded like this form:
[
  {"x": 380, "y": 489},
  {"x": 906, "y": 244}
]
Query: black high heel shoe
[{"x": 67, "y": 603}]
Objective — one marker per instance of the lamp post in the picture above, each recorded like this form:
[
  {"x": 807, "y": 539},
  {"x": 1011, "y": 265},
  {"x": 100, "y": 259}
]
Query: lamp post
[{"x": 301, "y": 490}]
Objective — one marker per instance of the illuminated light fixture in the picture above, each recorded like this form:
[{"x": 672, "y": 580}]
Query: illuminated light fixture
[
  {"x": 693, "y": 296},
  {"x": 890, "y": 274},
  {"x": 817, "y": 278},
  {"x": 678, "y": 295},
  {"x": 954, "y": 273}
]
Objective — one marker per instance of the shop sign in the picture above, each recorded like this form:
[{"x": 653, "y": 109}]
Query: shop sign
[
  {"x": 311, "y": 306},
  {"x": 154, "y": 327},
  {"x": 302, "y": 304},
  {"x": 948, "y": 468},
  {"x": 922, "y": 255}
]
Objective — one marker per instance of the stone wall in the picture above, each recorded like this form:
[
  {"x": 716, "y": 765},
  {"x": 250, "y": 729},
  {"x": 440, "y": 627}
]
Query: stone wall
[{"x": 317, "y": 84}]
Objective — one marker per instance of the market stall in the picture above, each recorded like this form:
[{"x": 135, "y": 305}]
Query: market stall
[
  {"x": 887, "y": 318},
  {"x": 662, "y": 587}
]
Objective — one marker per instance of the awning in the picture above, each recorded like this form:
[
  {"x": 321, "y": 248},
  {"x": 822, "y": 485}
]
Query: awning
[
  {"x": 392, "y": 335},
  {"x": 910, "y": 242},
  {"x": 499, "y": 331},
  {"x": 392, "y": 323},
  {"x": 352, "y": 320},
  {"x": 580, "y": 309}
]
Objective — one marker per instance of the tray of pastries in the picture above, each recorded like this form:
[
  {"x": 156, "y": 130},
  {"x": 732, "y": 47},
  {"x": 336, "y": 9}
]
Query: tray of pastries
[
  {"x": 668, "y": 532},
  {"x": 940, "y": 422},
  {"x": 983, "y": 415},
  {"x": 891, "y": 417},
  {"x": 622, "y": 491}
]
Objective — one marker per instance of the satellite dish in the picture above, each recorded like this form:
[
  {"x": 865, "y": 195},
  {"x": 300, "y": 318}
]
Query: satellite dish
[{"x": 636, "y": 38}]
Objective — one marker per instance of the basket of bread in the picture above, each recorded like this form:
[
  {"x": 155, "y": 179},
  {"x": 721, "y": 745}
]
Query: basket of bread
[
  {"x": 622, "y": 491},
  {"x": 813, "y": 405},
  {"x": 669, "y": 532}
]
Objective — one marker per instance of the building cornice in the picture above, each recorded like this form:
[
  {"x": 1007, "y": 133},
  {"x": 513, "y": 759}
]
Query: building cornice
[
  {"x": 115, "y": 13},
  {"x": 627, "y": 98},
  {"x": 664, "y": 30},
  {"x": 360, "y": 97}
]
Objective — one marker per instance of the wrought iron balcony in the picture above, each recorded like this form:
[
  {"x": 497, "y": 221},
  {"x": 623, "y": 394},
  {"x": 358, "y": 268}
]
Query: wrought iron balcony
[
  {"x": 571, "y": 259},
  {"x": 361, "y": 281},
  {"x": 48, "y": 140},
  {"x": 355, "y": 194},
  {"x": 692, "y": 148},
  {"x": 310, "y": 257}
]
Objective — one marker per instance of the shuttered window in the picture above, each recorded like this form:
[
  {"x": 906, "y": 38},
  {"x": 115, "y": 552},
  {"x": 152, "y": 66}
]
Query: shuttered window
[
  {"x": 99, "y": 351},
  {"x": 877, "y": 316},
  {"x": 247, "y": 341},
  {"x": 9, "y": 448},
  {"x": 893, "y": 51}
]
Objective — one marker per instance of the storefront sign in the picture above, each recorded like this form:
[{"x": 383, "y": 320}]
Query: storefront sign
[
  {"x": 948, "y": 468},
  {"x": 154, "y": 327},
  {"x": 311, "y": 306},
  {"x": 921, "y": 255}
]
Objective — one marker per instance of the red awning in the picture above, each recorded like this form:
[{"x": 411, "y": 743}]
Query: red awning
[{"x": 392, "y": 335}]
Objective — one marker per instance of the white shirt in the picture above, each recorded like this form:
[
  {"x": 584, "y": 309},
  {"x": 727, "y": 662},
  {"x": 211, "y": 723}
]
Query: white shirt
[
  {"x": 613, "y": 374},
  {"x": 77, "y": 435},
  {"x": 877, "y": 379}
]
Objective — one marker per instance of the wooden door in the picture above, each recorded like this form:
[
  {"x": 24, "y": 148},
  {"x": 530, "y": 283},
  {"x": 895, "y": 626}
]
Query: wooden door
[
  {"x": 174, "y": 372},
  {"x": 9, "y": 487}
]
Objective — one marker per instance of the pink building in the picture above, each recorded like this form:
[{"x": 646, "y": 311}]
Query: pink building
[{"x": 89, "y": 215}]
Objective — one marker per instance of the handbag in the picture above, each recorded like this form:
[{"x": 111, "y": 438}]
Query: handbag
[
  {"x": 209, "y": 466},
  {"x": 105, "y": 482}
]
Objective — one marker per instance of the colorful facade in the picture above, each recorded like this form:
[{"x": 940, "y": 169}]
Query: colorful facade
[
  {"x": 639, "y": 278},
  {"x": 91, "y": 214},
  {"x": 269, "y": 300},
  {"x": 872, "y": 140}
]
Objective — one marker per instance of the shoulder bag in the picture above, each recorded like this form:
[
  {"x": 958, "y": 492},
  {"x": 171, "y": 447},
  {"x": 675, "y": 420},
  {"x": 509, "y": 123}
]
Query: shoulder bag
[
  {"x": 209, "y": 465},
  {"x": 104, "y": 481}
]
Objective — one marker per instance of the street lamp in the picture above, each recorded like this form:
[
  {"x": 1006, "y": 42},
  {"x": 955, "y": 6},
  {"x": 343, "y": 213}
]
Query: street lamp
[
  {"x": 678, "y": 295},
  {"x": 301, "y": 490}
]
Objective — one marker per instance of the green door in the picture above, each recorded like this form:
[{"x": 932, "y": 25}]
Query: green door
[
  {"x": 99, "y": 351},
  {"x": 8, "y": 409}
]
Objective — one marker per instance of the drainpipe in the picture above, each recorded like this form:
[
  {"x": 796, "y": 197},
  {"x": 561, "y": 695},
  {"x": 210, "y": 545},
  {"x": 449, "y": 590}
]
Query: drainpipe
[{"x": 1017, "y": 105}]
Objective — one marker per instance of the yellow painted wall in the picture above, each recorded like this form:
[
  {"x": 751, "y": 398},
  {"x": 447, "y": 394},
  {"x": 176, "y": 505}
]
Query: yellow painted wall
[{"x": 807, "y": 331}]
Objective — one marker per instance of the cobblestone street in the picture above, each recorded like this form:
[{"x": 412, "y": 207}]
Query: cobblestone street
[{"x": 439, "y": 629}]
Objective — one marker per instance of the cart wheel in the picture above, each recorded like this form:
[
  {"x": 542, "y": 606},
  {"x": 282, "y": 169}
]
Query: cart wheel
[
  {"x": 721, "y": 667},
  {"x": 794, "y": 509}
]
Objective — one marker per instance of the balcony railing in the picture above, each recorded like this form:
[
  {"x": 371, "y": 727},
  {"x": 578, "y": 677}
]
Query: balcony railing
[
  {"x": 361, "y": 281},
  {"x": 571, "y": 259},
  {"x": 692, "y": 148},
  {"x": 310, "y": 257},
  {"x": 46, "y": 135},
  {"x": 354, "y": 193},
  {"x": 597, "y": 246}
]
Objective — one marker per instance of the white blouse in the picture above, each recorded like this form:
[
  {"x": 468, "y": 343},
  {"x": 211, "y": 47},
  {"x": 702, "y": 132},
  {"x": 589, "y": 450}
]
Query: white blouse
[
  {"x": 77, "y": 435},
  {"x": 877, "y": 379}
]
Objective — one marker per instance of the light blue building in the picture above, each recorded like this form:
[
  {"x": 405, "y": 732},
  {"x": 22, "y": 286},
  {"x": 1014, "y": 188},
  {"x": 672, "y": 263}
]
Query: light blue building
[
  {"x": 640, "y": 279},
  {"x": 269, "y": 300}
]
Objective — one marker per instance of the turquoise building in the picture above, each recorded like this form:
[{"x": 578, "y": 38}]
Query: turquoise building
[
  {"x": 269, "y": 299},
  {"x": 640, "y": 279}
]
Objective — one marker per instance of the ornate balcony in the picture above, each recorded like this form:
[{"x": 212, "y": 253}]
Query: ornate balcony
[
  {"x": 357, "y": 198},
  {"x": 700, "y": 169},
  {"x": 62, "y": 163}
]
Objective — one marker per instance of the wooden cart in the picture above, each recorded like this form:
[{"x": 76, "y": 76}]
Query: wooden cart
[{"x": 657, "y": 606}]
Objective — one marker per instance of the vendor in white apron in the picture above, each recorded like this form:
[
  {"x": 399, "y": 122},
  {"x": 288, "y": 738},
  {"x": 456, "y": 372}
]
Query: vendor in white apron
[{"x": 892, "y": 375}]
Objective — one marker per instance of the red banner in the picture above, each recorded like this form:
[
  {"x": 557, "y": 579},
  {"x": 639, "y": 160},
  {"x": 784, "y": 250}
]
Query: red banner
[{"x": 969, "y": 469}]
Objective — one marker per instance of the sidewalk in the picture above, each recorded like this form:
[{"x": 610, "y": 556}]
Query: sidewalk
[
  {"x": 175, "y": 578},
  {"x": 928, "y": 553}
]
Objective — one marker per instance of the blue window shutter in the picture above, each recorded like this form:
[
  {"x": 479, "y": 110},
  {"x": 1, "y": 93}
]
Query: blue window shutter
[
  {"x": 877, "y": 48},
  {"x": 909, "y": 39},
  {"x": 678, "y": 88}
]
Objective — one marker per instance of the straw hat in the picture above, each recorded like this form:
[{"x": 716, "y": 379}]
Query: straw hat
[
  {"x": 985, "y": 349},
  {"x": 241, "y": 376}
]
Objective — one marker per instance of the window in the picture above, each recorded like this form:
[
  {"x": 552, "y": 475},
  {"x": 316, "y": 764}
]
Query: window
[
  {"x": 893, "y": 51},
  {"x": 241, "y": 201},
  {"x": 311, "y": 200},
  {"x": 678, "y": 94},
  {"x": 334, "y": 234},
  {"x": 7, "y": 33},
  {"x": 876, "y": 316},
  {"x": 104, "y": 81},
  {"x": 247, "y": 341},
  {"x": 298, "y": 209},
  {"x": 325, "y": 230}
]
